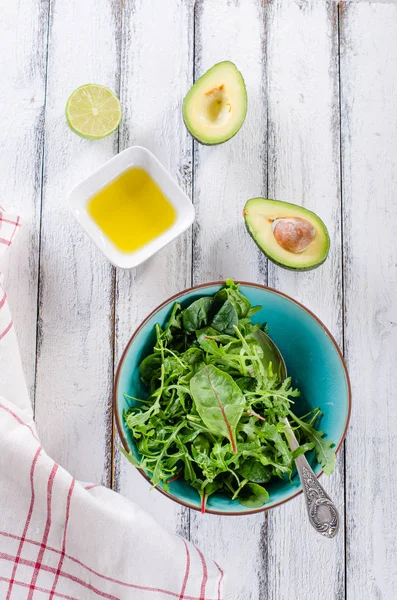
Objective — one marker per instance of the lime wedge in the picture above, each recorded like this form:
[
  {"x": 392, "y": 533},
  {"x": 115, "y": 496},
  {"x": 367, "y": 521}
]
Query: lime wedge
[{"x": 93, "y": 111}]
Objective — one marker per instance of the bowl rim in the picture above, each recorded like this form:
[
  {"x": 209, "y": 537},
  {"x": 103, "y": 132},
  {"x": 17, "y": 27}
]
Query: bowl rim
[{"x": 173, "y": 299}]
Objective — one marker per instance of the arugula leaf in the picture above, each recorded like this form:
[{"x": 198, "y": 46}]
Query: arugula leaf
[
  {"x": 324, "y": 448},
  {"x": 130, "y": 457},
  {"x": 200, "y": 449},
  {"x": 212, "y": 412}
]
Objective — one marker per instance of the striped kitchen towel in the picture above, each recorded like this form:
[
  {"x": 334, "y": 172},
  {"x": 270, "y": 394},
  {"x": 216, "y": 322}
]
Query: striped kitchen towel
[{"x": 61, "y": 539}]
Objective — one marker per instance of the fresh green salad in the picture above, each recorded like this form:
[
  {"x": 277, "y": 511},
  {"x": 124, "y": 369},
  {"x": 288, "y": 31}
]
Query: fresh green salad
[{"x": 213, "y": 410}]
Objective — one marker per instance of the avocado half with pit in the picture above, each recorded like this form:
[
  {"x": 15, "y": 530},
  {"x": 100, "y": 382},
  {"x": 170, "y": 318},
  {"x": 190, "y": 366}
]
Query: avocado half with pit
[
  {"x": 216, "y": 105},
  {"x": 291, "y": 236}
]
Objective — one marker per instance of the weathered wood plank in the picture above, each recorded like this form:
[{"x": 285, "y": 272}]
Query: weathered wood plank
[
  {"x": 369, "y": 148},
  {"x": 303, "y": 100},
  {"x": 227, "y": 175},
  {"x": 74, "y": 362},
  {"x": 157, "y": 70},
  {"x": 224, "y": 178},
  {"x": 23, "y": 44}
]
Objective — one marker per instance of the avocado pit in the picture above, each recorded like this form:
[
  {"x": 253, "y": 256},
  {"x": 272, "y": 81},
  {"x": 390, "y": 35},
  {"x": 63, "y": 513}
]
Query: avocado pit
[
  {"x": 291, "y": 236},
  {"x": 294, "y": 234}
]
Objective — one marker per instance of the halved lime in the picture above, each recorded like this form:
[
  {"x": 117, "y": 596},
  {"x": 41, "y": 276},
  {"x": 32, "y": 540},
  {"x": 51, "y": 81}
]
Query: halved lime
[{"x": 93, "y": 111}]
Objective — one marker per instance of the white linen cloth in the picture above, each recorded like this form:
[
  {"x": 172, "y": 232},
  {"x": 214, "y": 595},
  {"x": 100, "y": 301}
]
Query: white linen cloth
[{"x": 61, "y": 539}]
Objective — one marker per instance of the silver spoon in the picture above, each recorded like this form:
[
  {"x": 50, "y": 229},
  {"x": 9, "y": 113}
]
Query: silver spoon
[{"x": 322, "y": 512}]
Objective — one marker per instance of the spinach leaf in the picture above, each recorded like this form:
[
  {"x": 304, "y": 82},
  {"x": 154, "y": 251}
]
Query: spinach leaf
[
  {"x": 219, "y": 401},
  {"x": 197, "y": 314},
  {"x": 253, "y": 495},
  {"x": 219, "y": 299},
  {"x": 255, "y": 471},
  {"x": 150, "y": 367},
  {"x": 192, "y": 356},
  {"x": 213, "y": 487},
  {"x": 173, "y": 329},
  {"x": 233, "y": 296},
  {"x": 246, "y": 384},
  {"x": 226, "y": 319},
  {"x": 240, "y": 301},
  {"x": 175, "y": 320},
  {"x": 207, "y": 490}
]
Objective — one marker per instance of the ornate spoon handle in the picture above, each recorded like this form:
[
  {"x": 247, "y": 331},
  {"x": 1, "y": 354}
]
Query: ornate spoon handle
[{"x": 322, "y": 512}]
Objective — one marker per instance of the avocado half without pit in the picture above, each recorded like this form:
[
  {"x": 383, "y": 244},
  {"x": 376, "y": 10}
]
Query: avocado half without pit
[
  {"x": 216, "y": 105},
  {"x": 290, "y": 235}
]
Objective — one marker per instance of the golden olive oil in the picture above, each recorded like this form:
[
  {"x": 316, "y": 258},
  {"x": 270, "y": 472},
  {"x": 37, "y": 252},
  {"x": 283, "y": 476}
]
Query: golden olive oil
[{"x": 132, "y": 210}]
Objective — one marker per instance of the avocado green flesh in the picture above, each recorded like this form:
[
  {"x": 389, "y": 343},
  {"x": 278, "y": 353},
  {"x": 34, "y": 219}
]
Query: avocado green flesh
[
  {"x": 259, "y": 215},
  {"x": 216, "y": 105}
]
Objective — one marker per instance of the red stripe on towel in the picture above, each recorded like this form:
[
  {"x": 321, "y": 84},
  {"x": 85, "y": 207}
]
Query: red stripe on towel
[{"x": 25, "y": 529}]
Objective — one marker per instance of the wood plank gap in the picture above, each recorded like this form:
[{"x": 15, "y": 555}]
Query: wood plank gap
[
  {"x": 38, "y": 326},
  {"x": 198, "y": 8},
  {"x": 115, "y": 467},
  {"x": 263, "y": 267},
  {"x": 187, "y": 516},
  {"x": 113, "y": 479},
  {"x": 193, "y": 141},
  {"x": 369, "y": 132},
  {"x": 118, "y": 10},
  {"x": 340, "y": 13},
  {"x": 266, "y": 99},
  {"x": 114, "y": 464}
]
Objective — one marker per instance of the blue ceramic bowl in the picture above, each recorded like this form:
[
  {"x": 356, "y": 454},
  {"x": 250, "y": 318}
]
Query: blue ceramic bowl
[{"x": 313, "y": 360}]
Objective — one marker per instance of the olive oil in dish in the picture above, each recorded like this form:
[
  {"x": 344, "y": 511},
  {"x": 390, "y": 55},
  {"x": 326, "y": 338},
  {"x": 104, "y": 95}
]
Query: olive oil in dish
[{"x": 132, "y": 210}]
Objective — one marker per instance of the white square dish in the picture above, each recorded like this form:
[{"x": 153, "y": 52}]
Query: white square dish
[{"x": 136, "y": 156}]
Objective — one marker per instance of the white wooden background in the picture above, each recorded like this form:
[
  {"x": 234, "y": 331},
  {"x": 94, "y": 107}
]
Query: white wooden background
[{"x": 321, "y": 130}]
